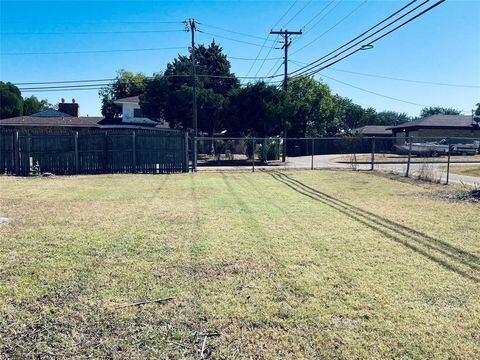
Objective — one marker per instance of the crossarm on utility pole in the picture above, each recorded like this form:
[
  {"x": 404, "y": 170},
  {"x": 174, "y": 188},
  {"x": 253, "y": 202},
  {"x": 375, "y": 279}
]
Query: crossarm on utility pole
[{"x": 286, "y": 43}]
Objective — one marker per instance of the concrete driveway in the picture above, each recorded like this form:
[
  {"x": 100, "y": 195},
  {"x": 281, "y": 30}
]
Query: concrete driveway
[{"x": 330, "y": 161}]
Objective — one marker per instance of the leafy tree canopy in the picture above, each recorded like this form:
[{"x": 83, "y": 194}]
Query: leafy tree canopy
[
  {"x": 125, "y": 84},
  {"x": 11, "y": 102},
  {"x": 434, "y": 110},
  {"x": 169, "y": 95},
  {"x": 256, "y": 110},
  {"x": 32, "y": 105},
  {"x": 311, "y": 108}
]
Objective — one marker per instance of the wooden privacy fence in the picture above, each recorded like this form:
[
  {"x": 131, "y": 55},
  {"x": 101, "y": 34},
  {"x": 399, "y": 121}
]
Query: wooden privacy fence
[{"x": 93, "y": 151}]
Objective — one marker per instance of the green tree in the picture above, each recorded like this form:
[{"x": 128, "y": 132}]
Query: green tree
[
  {"x": 434, "y": 110},
  {"x": 32, "y": 105},
  {"x": 391, "y": 118},
  {"x": 11, "y": 102},
  {"x": 311, "y": 108},
  {"x": 125, "y": 84},
  {"x": 256, "y": 110},
  {"x": 349, "y": 115},
  {"x": 477, "y": 112},
  {"x": 169, "y": 95}
]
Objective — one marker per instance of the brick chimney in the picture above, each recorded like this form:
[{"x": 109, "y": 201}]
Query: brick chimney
[{"x": 72, "y": 108}]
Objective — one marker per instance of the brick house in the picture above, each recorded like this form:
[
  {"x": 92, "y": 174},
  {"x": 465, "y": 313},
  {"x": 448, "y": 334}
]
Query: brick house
[{"x": 437, "y": 127}]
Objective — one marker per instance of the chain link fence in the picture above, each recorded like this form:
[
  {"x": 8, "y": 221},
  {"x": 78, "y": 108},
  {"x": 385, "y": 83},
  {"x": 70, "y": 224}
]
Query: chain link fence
[{"x": 425, "y": 157}]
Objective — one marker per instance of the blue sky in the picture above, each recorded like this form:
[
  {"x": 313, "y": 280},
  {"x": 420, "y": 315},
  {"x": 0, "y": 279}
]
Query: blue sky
[{"x": 442, "y": 46}]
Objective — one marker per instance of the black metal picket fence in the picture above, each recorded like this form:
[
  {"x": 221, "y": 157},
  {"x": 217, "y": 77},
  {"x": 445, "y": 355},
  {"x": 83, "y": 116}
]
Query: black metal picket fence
[{"x": 67, "y": 152}]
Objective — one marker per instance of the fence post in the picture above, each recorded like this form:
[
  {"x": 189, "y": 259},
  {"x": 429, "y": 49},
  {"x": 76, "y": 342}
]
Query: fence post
[
  {"x": 284, "y": 152},
  {"x": 448, "y": 166},
  {"x": 105, "y": 152},
  {"x": 409, "y": 155},
  {"x": 185, "y": 157},
  {"x": 16, "y": 152},
  {"x": 29, "y": 150},
  {"x": 373, "y": 154},
  {"x": 2, "y": 152},
  {"x": 253, "y": 155},
  {"x": 134, "y": 152},
  {"x": 313, "y": 152},
  {"x": 76, "y": 152}
]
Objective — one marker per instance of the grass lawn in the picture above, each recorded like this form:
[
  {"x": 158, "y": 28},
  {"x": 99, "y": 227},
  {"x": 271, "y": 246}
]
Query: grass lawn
[
  {"x": 312, "y": 264},
  {"x": 466, "y": 170}
]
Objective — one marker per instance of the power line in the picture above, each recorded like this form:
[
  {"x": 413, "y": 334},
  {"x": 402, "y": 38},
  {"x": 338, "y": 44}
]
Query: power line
[
  {"x": 375, "y": 93},
  {"x": 92, "y": 22},
  {"x": 314, "y": 25},
  {"x": 249, "y": 59},
  {"x": 229, "y": 38},
  {"x": 318, "y": 62},
  {"x": 91, "y": 32},
  {"x": 92, "y": 51},
  {"x": 406, "y": 80},
  {"x": 332, "y": 27},
  {"x": 266, "y": 39},
  {"x": 268, "y": 54},
  {"x": 369, "y": 45},
  {"x": 62, "y": 82},
  {"x": 304, "y": 27},
  {"x": 323, "y": 17},
  {"x": 61, "y": 86},
  {"x": 234, "y": 32},
  {"x": 297, "y": 13},
  {"x": 362, "y": 34},
  {"x": 63, "y": 90}
]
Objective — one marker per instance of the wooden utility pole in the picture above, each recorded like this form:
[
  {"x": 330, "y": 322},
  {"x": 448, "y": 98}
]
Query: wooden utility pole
[
  {"x": 193, "y": 28},
  {"x": 286, "y": 43}
]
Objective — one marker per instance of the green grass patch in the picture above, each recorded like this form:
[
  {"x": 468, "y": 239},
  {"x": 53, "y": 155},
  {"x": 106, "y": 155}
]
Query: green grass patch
[{"x": 302, "y": 264}]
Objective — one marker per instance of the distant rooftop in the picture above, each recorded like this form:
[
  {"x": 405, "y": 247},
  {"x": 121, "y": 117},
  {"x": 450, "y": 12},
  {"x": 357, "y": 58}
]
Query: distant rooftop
[
  {"x": 372, "y": 130},
  {"x": 438, "y": 121},
  {"x": 50, "y": 113},
  {"x": 131, "y": 99}
]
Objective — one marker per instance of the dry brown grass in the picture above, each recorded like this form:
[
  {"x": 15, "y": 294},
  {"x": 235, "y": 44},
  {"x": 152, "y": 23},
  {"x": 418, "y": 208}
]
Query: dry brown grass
[{"x": 304, "y": 264}]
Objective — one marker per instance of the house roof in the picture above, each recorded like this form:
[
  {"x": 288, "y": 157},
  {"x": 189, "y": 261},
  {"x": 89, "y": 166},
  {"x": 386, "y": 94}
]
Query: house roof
[
  {"x": 131, "y": 99},
  {"x": 437, "y": 121},
  {"x": 73, "y": 121},
  {"x": 50, "y": 113},
  {"x": 81, "y": 121},
  {"x": 372, "y": 130}
]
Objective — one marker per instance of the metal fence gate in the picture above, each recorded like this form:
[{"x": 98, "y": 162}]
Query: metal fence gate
[{"x": 69, "y": 152}]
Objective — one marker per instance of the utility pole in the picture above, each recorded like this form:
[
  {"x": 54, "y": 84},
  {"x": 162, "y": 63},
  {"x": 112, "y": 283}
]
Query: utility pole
[
  {"x": 286, "y": 43},
  {"x": 193, "y": 28}
]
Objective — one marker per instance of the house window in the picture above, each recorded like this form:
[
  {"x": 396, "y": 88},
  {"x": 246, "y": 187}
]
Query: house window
[{"x": 138, "y": 113}]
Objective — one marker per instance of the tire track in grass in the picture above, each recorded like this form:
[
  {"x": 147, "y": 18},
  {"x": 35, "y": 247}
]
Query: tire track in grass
[{"x": 381, "y": 225}]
